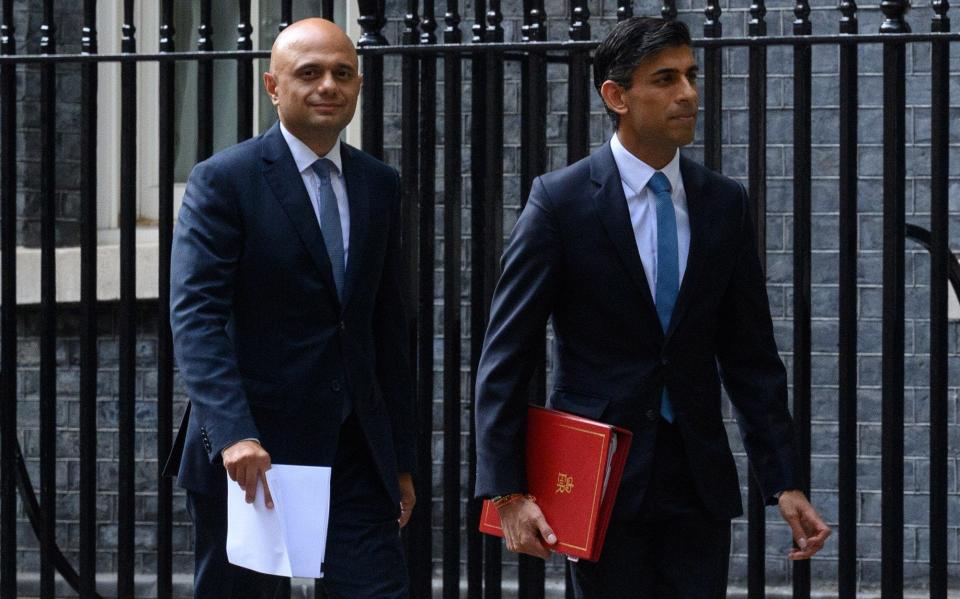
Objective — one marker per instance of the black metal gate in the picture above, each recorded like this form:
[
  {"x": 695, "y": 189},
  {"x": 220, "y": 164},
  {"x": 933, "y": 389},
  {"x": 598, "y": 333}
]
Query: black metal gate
[{"x": 426, "y": 53}]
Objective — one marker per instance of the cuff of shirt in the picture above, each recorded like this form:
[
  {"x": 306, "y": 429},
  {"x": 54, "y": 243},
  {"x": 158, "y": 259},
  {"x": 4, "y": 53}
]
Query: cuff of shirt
[{"x": 257, "y": 441}]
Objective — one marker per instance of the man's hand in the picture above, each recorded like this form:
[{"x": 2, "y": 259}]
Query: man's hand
[
  {"x": 525, "y": 529},
  {"x": 247, "y": 462},
  {"x": 408, "y": 497},
  {"x": 809, "y": 531}
]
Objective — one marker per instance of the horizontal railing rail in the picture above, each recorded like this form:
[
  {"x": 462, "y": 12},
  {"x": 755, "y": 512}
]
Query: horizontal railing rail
[{"x": 466, "y": 50}]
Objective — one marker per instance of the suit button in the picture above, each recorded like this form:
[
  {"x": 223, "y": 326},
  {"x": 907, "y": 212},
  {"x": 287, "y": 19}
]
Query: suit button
[
  {"x": 342, "y": 326},
  {"x": 664, "y": 361},
  {"x": 335, "y": 385},
  {"x": 651, "y": 415}
]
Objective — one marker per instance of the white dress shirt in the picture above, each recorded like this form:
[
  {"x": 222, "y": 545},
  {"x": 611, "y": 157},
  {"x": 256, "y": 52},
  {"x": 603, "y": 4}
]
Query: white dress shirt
[
  {"x": 641, "y": 202},
  {"x": 304, "y": 157}
]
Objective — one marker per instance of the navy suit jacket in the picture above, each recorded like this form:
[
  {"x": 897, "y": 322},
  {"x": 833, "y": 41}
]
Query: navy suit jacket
[
  {"x": 573, "y": 257},
  {"x": 265, "y": 347}
]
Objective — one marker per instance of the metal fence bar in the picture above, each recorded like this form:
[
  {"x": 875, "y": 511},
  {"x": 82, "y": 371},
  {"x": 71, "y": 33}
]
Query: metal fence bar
[
  {"x": 757, "y": 128},
  {"x": 478, "y": 309},
  {"x": 409, "y": 171},
  {"x": 420, "y": 582},
  {"x": 244, "y": 74},
  {"x": 757, "y": 188},
  {"x": 452, "y": 255},
  {"x": 48, "y": 305},
  {"x": 713, "y": 89},
  {"x": 8, "y": 309},
  {"x": 669, "y": 9},
  {"x": 126, "y": 446},
  {"x": 847, "y": 395},
  {"x": 939, "y": 263},
  {"x": 493, "y": 222},
  {"x": 533, "y": 97},
  {"x": 533, "y": 161},
  {"x": 286, "y": 14},
  {"x": 802, "y": 255},
  {"x": 205, "y": 84},
  {"x": 371, "y": 119},
  {"x": 88, "y": 307},
  {"x": 578, "y": 85},
  {"x": 894, "y": 221},
  {"x": 167, "y": 158},
  {"x": 126, "y": 506}
]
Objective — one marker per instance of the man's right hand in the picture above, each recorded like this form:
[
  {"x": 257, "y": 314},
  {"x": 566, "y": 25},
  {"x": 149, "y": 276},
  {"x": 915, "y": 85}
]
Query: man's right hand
[
  {"x": 246, "y": 463},
  {"x": 525, "y": 529}
]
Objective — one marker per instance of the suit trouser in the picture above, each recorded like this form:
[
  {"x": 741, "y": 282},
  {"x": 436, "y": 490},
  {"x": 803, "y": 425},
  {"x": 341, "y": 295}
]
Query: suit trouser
[
  {"x": 363, "y": 558},
  {"x": 673, "y": 549}
]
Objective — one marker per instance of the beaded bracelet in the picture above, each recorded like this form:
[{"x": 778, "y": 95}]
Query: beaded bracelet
[{"x": 505, "y": 500}]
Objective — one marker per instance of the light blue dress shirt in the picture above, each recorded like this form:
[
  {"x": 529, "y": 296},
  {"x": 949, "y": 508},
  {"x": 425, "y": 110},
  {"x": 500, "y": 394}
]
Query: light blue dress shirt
[
  {"x": 304, "y": 158},
  {"x": 641, "y": 202}
]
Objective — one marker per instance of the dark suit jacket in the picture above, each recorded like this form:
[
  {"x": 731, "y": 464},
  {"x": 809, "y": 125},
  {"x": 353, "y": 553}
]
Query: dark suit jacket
[
  {"x": 573, "y": 256},
  {"x": 263, "y": 344}
]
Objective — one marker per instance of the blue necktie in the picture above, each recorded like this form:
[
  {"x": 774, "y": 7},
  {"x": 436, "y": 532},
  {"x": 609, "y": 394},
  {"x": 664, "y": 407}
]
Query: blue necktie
[
  {"x": 330, "y": 222},
  {"x": 668, "y": 264},
  {"x": 333, "y": 239}
]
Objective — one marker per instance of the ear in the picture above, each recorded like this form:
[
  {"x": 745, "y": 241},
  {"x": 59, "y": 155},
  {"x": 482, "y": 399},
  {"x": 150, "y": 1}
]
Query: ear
[
  {"x": 612, "y": 94},
  {"x": 270, "y": 84}
]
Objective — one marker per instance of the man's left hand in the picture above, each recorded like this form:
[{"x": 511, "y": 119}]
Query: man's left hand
[
  {"x": 408, "y": 497},
  {"x": 809, "y": 530}
]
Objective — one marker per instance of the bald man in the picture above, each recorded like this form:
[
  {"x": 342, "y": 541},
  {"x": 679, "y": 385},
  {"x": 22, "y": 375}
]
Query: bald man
[{"x": 288, "y": 326}]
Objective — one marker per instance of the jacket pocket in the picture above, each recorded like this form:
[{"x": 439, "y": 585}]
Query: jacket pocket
[{"x": 581, "y": 404}]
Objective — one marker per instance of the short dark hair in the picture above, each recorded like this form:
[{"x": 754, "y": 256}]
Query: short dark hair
[{"x": 629, "y": 44}]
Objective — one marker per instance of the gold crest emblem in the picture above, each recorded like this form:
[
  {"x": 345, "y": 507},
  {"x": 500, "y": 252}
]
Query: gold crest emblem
[{"x": 564, "y": 483}]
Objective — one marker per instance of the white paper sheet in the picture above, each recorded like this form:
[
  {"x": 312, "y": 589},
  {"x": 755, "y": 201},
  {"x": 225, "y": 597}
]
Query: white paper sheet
[{"x": 290, "y": 539}]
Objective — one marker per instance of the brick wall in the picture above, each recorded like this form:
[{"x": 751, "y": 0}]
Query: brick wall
[
  {"x": 68, "y": 442},
  {"x": 28, "y": 16}
]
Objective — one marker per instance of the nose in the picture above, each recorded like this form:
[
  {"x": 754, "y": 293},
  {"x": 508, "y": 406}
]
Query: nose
[
  {"x": 688, "y": 92},
  {"x": 326, "y": 83}
]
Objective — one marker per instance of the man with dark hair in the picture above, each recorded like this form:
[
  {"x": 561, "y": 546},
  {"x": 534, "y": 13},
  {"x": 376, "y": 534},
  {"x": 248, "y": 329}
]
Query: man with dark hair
[{"x": 646, "y": 261}]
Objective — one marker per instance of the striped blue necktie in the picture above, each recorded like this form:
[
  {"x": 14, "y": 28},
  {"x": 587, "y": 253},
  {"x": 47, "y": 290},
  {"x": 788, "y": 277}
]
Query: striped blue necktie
[
  {"x": 330, "y": 222},
  {"x": 668, "y": 264}
]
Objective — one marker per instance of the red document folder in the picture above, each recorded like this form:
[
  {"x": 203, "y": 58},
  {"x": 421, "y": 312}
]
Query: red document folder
[{"x": 574, "y": 466}]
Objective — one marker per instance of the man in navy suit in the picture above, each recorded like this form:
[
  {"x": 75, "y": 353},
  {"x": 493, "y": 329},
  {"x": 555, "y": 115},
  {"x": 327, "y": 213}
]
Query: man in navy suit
[
  {"x": 288, "y": 326},
  {"x": 646, "y": 262}
]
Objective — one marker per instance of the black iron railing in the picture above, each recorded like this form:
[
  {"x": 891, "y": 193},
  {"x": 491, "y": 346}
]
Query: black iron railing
[{"x": 425, "y": 41}]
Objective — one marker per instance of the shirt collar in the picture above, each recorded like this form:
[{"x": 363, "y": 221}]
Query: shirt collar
[
  {"x": 635, "y": 173},
  {"x": 304, "y": 157}
]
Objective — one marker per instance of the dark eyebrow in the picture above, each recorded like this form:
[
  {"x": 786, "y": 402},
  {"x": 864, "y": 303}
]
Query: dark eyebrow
[{"x": 666, "y": 70}]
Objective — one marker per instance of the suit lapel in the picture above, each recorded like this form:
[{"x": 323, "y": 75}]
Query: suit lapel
[
  {"x": 359, "y": 200},
  {"x": 613, "y": 212},
  {"x": 693, "y": 186},
  {"x": 280, "y": 172}
]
